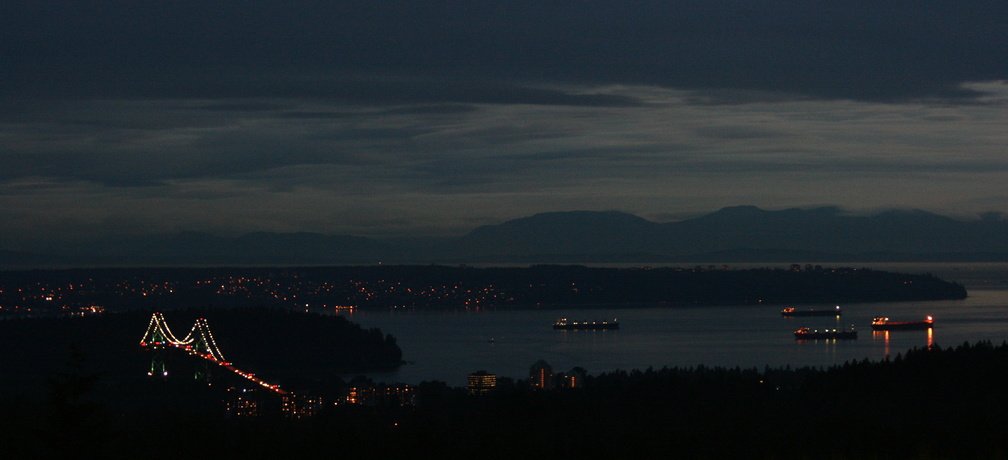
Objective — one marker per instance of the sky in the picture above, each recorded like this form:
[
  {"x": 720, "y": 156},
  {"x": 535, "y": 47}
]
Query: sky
[{"x": 404, "y": 118}]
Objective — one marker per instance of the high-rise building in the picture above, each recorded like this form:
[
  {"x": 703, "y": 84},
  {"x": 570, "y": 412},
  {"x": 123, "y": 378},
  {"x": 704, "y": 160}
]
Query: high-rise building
[
  {"x": 481, "y": 382},
  {"x": 541, "y": 375}
]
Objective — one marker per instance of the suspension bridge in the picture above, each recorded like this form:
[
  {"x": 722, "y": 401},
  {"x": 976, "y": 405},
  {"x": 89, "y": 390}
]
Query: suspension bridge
[{"x": 199, "y": 343}]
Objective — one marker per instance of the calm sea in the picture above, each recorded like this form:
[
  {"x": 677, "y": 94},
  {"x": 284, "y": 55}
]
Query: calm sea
[{"x": 448, "y": 345}]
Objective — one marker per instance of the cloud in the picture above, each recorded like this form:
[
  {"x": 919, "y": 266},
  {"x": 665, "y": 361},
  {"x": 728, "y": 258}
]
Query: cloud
[
  {"x": 442, "y": 148},
  {"x": 255, "y": 48},
  {"x": 406, "y": 117},
  {"x": 736, "y": 132}
]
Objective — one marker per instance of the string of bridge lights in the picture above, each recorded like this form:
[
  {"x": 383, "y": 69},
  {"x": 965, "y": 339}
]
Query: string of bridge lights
[
  {"x": 158, "y": 329},
  {"x": 159, "y": 325}
]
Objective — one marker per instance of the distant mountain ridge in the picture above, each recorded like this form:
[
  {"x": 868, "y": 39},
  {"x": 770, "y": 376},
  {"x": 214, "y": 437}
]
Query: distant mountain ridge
[
  {"x": 733, "y": 234},
  {"x": 745, "y": 232}
]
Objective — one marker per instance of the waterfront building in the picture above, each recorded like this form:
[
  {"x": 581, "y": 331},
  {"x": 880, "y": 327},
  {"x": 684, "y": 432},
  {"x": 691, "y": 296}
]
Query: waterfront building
[
  {"x": 481, "y": 382},
  {"x": 394, "y": 395},
  {"x": 301, "y": 406},
  {"x": 255, "y": 402},
  {"x": 243, "y": 402}
]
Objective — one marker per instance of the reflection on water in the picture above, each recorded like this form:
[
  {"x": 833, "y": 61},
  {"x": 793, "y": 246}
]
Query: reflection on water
[
  {"x": 447, "y": 346},
  {"x": 884, "y": 336}
]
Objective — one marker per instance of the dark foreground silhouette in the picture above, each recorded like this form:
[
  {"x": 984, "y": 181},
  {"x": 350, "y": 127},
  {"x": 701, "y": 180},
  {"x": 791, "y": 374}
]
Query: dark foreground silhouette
[{"x": 937, "y": 403}]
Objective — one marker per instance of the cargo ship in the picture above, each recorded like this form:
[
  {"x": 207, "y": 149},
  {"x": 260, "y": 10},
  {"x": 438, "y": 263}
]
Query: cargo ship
[
  {"x": 563, "y": 324},
  {"x": 810, "y": 334},
  {"x": 791, "y": 311},
  {"x": 882, "y": 323}
]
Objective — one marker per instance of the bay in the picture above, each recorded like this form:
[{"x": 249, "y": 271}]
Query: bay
[{"x": 448, "y": 345}]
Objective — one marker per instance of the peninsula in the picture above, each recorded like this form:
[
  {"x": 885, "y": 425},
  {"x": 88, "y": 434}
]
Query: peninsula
[{"x": 59, "y": 292}]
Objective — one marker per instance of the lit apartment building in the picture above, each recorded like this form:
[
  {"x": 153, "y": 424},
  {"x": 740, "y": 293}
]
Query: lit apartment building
[
  {"x": 481, "y": 382},
  {"x": 541, "y": 375}
]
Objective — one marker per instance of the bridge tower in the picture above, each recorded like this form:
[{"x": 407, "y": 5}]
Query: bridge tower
[
  {"x": 157, "y": 339},
  {"x": 200, "y": 342}
]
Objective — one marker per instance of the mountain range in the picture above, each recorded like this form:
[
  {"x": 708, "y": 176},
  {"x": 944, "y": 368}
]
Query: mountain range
[{"x": 733, "y": 234}]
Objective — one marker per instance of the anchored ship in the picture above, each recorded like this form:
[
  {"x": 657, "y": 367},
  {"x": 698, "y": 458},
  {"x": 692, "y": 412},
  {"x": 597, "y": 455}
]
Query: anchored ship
[
  {"x": 882, "y": 323},
  {"x": 812, "y": 334},
  {"x": 563, "y": 324},
  {"x": 791, "y": 311}
]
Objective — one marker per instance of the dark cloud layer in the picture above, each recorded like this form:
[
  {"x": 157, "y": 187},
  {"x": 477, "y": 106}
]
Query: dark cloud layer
[
  {"x": 406, "y": 117},
  {"x": 865, "y": 50}
]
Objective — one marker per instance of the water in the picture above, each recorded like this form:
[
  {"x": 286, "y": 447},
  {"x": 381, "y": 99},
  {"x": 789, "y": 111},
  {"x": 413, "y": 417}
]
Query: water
[{"x": 448, "y": 345}]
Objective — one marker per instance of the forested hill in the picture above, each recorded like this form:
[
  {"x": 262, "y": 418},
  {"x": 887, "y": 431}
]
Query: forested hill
[{"x": 576, "y": 285}]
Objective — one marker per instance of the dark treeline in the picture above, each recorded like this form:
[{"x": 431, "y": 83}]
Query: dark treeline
[
  {"x": 437, "y": 286},
  {"x": 937, "y": 403},
  {"x": 927, "y": 403}
]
